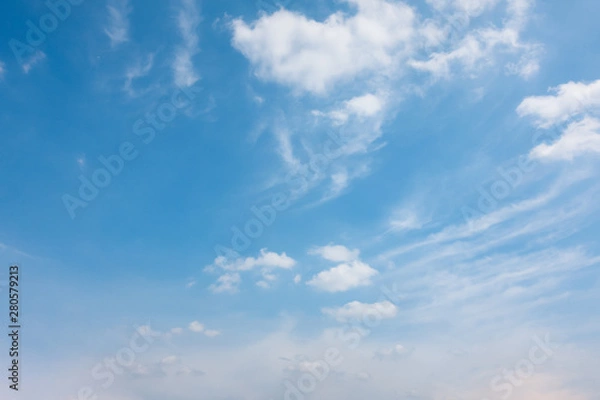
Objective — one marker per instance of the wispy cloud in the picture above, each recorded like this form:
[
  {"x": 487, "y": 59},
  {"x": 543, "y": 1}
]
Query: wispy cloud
[
  {"x": 188, "y": 20},
  {"x": 32, "y": 61},
  {"x": 117, "y": 28}
]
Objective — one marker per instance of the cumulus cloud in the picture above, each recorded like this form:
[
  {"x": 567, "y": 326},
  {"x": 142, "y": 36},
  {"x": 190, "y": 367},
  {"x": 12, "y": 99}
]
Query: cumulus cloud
[
  {"x": 312, "y": 56},
  {"x": 188, "y": 20},
  {"x": 573, "y": 103},
  {"x": 367, "y": 105},
  {"x": 212, "y": 333},
  {"x": 343, "y": 277},
  {"x": 117, "y": 28},
  {"x": 350, "y": 274},
  {"x": 356, "y": 310},
  {"x": 578, "y": 138},
  {"x": 226, "y": 283},
  {"x": 267, "y": 262},
  {"x": 196, "y": 326},
  {"x": 566, "y": 101},
  {"x": 267, "y": 259},
  {"x": 336, "y": 253}
]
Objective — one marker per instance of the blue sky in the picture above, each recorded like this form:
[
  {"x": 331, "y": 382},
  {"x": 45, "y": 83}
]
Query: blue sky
[{"x": 249, "y": 183}]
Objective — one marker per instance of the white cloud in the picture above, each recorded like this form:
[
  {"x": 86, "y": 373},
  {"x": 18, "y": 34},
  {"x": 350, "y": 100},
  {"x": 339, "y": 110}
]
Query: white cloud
[
  {"x": 336, "y": 253},
  {"x": 569, "y": 99},
  {"x": 226, "y": 283},
  {"x": 343, "y": 277},
  {"x": 266, "y": 259},
  {"x": 297, "y": 279},
  {"x": 356, "y": 310},
  {"x": 212, "y": 333},
  {"x": 118, "y": 22},
  {"x": 176, "y": 331},
  {"x": 312, "y": 56},
  {"x": 33, "y": 60},
  {"x": 196, "y": 326},
  {"x": 140, "y": 69},
  {"x": 263, "y": 284},
  {"x": 367, "y": 105},
  {"x": 188, "y": 20},
  {"x": 2, "y": 70},
  {"x": 578, "y": 138},
  {"x": 405, "y": 220}
]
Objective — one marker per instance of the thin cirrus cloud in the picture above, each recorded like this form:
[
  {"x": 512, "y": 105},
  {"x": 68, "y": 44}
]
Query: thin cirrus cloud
[
  {"x": 356, "y": 63},
  {"x": 188, "y": 19},
  {"x": 117, "y": 28}
]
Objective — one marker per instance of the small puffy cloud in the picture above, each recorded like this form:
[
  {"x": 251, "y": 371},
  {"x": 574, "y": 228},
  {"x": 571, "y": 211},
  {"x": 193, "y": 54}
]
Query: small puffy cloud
[
  {"x": 263, "y": 284},
  {"x": 212, "y": 333},
  {"x": 226, "y": 283},
  {"x": 368, "y": 105},
  {"x": 118, "y": 22},
  {"x": 266, "y": 259},
  {"x": 297, "y": 279},
  {"x": 567, "y": 101},
  {"x": 578, "y": 138},
  {"x": 336, "y": 253},
  {"x": 343, "y": 277},
  {"x": 356, "y": 310},
  {"x": 196, "y": 326}
]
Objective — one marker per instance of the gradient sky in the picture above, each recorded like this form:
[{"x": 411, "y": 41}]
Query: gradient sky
[{"x": 249, "y": 184}]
